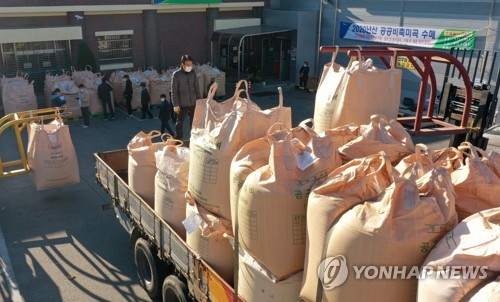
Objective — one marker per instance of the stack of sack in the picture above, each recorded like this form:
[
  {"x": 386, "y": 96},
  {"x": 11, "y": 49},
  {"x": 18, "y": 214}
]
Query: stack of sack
[
  {"x": 271, "y": 180},
  {"x": 51, "y": 155},
  {"x": 219, "y": 131},
  {"x": 71, "y": 93},
  {"x": 210, "y": 72},
  {"x": 171, "y": 183},
  {"x": 353, "y": 94},
  {"x": 472, "y": 247},
  {"x": 158, "y": 84},
  {"x": 18, "y": 94},
  {"x": 367, "y": 213},
  {"x": 118, "y": 85},
  {"x": 91, "y": 81},
  {"x": 49, "y": 85}
]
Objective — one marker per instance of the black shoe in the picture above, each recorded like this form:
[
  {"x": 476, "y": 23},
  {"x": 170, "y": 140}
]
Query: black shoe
[{"x": 143, "y": 118}]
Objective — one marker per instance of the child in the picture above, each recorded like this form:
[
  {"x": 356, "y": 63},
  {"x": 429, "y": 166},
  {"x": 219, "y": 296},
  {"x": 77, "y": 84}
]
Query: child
[
  {"x": 165, "y": 114},
  {"x": 57, "y": 99},
  {"x": 84, "y": 102}
]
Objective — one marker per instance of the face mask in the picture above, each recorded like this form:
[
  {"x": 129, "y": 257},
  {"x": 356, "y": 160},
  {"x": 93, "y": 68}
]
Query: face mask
[
  {"x": 188, "y": 68},
  {"x": 82, "y": 90},
  {"x": 305, "y": 65},
  {"x": 162, "y": 99},
  {"x": 124, "y": 80}
]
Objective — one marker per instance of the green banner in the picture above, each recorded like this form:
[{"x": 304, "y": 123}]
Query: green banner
[
  {"x": 450, "y": 38},
  {"x": 185, "y": 1}
]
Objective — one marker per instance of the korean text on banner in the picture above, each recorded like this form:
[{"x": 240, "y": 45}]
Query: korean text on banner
[{"x": 406, "y": 35}]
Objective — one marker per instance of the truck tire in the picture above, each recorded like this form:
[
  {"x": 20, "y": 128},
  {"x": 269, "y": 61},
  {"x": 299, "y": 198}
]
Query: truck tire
[
  {"x": 148, "y": 267},
  {"x": 174, "y": 290}
]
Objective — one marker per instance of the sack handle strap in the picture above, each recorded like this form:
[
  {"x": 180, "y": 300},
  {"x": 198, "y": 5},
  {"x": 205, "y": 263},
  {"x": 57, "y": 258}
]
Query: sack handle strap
[
  {"x": 280, "y": 92},
  {"x": 421, "y": 148},
  {"x": 154, "y": 133},
  {"x": 334, "y": 54},
  {"x": 468, "y": 146},
  {"x": 212, "y": 91}
]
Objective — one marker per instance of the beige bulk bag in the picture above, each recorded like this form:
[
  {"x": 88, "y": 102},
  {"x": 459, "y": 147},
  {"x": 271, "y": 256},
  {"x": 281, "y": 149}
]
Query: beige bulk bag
[
  {"x": 379, "y": 135},
  {"x": 205, "y": 235},
  {"x": 158, "y": 85},
  {"x": 493, "y": 161},
  {"x": 343, "y": 134},
  {"x": 142, "y": 165},
  {"x": 255, "y": 154},
  {"x": 48, "y": 87},
  {"x": 255, "y": 283},
  {"x": 327, "y": 94},
  {"x": 476, "y": 185},
  {"x": 274, "y": 197},
  {"x": 172, "y": 162},
  {"x": 363, "y": 91},
  {"x": 51, "y": 156},
  {"x": 488, "y": 291},
  {"x": 71, "y": 93},
  {"x": 118, "y": 85},
  {"x": 349, "y": 185},
  {"x": 18, "y": 97},
  {"x": 214, "y": 145},
  {"x": 79, "y": 76},
  {"x": 136, "y": 78},
  {"x": 473, "y": 243},
  {"x": 398, "y": 229},
  {"x": 425, "y": 160}
]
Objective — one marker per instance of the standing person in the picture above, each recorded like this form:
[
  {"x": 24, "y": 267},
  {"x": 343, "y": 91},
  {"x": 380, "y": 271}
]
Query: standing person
[
  {"x": 104, "y": 93},
  {"x": 127, "y": 94},
  {"x": 185, "y": 92},
  {"x": 304, "y": 75},
  {"x": 165, "y": 114},
  {"x": 145, "y": 100},
  {"x": 84, "y": 102}
]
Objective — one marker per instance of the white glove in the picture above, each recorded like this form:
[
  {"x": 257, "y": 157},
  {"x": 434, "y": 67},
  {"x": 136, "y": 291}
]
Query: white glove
[{"x": 177, "y": 109}]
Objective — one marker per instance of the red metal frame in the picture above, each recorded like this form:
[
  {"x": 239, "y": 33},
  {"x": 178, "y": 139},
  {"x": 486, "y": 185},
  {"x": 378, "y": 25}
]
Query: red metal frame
[{"x": 426, "y": 57}]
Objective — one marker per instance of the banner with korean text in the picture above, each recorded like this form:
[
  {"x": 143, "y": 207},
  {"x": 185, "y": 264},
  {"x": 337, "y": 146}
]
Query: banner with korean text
[{"x": 407, "y": 35}]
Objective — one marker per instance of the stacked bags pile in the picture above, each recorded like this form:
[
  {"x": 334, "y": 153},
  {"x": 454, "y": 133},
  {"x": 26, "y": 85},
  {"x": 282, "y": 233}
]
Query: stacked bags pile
[
  {"x": 18, "y": 94},
  {"x": 49, "y": 82},
  {"x": 271, "y": 180},
  {"x": 219, "y": 131},
  {"x": 51, "y": 155},
  {"x": 158, "y": 84},
  {"x": 118, "y": 84},
  {"x": 367, "y": 205},
  {"x": 91, "y": 81},
  {"x": 353, "y": 94},
  {"x": 70, "y": 91},
  {"x": 210, "y": 72}
]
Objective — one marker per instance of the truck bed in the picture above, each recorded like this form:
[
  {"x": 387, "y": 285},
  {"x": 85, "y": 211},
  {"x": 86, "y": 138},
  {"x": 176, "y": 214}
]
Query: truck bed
[{"x": 203, "y": 282}]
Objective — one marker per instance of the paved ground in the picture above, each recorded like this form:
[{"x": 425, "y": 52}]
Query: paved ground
[{"x": 61, "y": 245}]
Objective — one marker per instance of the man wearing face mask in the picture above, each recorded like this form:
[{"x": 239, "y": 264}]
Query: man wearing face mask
[
  {"x": 145, "y": 101},
  {"x": 304, "y": 75},
  {"x": 185, "y": 92}
]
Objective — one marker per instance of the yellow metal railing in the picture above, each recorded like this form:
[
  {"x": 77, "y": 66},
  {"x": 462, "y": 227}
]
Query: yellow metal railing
[{"x": 18, "y": 121}]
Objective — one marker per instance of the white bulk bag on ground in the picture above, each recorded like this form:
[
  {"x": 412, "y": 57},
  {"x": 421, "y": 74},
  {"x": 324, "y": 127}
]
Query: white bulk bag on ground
[
  {"x": 18, "y": 95},
  {"x": 172, "y": 162},
  {"x": 473, "y": 243},
  {"x": 51, "y": 156}
]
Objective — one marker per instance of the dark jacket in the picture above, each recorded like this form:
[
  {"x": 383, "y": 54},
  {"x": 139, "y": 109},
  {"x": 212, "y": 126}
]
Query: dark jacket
[
  {"x": 185, "y": 90},
  {"x": 103, "y": 91},
  {"x": 128, "y": 88},
  {"x": 57, "y": 101},
  {"x": 145, "y": 98},
  {"x": 165, "y": 111},
  {"x": 304, "y": 72}
]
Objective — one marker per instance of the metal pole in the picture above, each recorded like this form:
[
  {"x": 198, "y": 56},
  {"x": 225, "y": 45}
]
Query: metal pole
[{"x": 319, "y": 35}]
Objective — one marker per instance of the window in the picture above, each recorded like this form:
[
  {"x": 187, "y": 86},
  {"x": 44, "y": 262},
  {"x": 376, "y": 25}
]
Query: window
[{"x": 114, "y": 51}]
